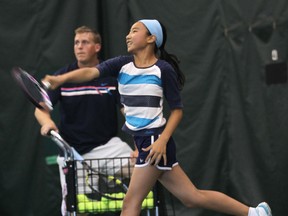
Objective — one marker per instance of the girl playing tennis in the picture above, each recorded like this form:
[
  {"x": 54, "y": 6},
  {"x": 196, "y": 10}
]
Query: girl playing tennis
[{"x": 145, "y": 78}]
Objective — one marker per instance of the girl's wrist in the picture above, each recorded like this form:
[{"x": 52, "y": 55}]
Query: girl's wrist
[{"x": 165, "y": 138}]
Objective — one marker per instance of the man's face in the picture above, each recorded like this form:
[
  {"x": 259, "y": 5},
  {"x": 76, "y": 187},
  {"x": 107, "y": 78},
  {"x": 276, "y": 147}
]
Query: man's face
[{"x": 85, "y": 48}]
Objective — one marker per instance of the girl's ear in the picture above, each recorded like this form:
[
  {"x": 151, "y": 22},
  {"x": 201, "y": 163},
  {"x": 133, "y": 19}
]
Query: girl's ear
[{"x": 151, "y": 39}]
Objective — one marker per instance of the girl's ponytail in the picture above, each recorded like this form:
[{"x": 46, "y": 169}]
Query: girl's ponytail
[
  {"x": 156, "y": 28},
  {"x": 174, "y": 62}
]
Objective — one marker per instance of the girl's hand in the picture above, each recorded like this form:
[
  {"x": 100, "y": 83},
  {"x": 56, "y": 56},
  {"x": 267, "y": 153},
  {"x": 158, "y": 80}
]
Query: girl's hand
[
  {"x": 52, "y": 82},
  {"x": 157, "y": 151},
  {"x": 158, "y": 148}
]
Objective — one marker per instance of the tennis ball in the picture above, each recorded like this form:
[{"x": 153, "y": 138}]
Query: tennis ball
[
  {"x": 103, "y": 205},
  {"x": 119, "y": 204},
  {"x": 144, "y": 203},
  {"x": 112, "y": 205},
  {"x": 87, "y": 206},
  {"x": 150, "y": 194},
  {"x": 113, "y": 195},
  {"x": 104, "y": 198},
  {"x": 82, "y": 198},
  {"x": 148, "y": 203},
  {"x": 115, "y": 204},
  {"x": 120, "y": 195},
  {"x": 104, "y": 201},
  {"x": 81, "y": 207},
  {"x": 96, "y": 206}
]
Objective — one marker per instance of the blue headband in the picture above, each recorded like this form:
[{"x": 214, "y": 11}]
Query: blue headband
[{"x": 155, "y": 29}]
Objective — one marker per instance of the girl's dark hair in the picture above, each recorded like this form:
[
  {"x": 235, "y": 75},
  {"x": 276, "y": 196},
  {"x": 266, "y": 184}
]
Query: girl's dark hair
[{"x": 171, "y": 59}]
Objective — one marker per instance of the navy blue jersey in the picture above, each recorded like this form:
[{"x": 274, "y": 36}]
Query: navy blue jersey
[
  {"x": 88, "y": 111},
  {"x": 142, "y": 92}
]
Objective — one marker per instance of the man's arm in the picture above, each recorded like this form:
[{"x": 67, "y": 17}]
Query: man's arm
[
  {"x": 76, "y": 76},
  {"x": 45, "y": 120}
]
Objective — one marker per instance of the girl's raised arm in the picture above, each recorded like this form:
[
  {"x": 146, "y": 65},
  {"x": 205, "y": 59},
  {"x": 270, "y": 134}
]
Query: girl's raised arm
[{"x": 76, "y": 76}]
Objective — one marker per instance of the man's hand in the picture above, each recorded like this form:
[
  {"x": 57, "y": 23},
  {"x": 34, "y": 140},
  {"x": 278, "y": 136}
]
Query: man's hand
[
  {"x": 134, "y": 154},
  {"x": 48, "y": 127}
]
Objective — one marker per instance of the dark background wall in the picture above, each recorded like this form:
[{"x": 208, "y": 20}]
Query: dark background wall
[{"x": 233, "y": 137}]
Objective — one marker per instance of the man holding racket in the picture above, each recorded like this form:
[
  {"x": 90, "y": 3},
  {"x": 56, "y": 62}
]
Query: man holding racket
[{"x": 88, "y": 111}]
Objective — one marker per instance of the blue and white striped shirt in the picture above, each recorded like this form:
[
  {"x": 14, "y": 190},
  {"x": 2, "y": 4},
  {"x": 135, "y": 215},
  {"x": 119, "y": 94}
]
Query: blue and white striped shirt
[{"x": 142, "y": 91}]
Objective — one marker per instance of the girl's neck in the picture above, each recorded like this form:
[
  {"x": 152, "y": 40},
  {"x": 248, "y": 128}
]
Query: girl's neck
[{"x": 144, "y": 60}]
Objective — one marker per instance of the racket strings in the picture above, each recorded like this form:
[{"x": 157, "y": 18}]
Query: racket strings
[
  {"x": 107, "y": 180},
  {"x": 30, "y": 86}
]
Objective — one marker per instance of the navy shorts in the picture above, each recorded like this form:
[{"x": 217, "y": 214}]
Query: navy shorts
[{"x": 146, "y": 141}]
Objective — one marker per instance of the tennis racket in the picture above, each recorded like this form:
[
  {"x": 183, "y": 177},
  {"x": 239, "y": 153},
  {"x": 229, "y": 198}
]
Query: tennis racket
[
  {"x": 33, "y": 90},
  {"x": 99, "y": 182},
  {"x": 104, "y": 184}
]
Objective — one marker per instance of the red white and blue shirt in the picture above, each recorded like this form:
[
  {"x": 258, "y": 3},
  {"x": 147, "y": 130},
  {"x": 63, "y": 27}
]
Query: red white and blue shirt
[{"x": 88, "y": 111}]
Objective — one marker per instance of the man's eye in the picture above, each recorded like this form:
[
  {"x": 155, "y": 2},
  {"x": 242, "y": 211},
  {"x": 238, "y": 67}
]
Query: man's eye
[{"x": 84, "y": 43}]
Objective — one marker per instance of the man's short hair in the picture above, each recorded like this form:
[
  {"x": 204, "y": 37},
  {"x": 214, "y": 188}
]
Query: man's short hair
[{"x": 85, "y": 29}]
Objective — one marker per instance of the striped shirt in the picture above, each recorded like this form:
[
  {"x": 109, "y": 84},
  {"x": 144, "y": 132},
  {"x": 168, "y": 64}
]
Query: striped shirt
[
  {"x": 88, "y": 111},
  {"x": 142, "y": 91},
  {"x": 87, "y": 90}
]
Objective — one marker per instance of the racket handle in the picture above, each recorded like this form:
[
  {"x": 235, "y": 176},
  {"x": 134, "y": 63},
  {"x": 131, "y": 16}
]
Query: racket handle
[
  {"x": 53, "y": 133},
  {"x": 65, "y": 146},
  {"x": 49, "y": 132},
  {"x": 46, "y": 85}
]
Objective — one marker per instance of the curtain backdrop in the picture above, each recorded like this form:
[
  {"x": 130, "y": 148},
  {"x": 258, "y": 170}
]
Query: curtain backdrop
[{"x": 234, "y": 134}]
